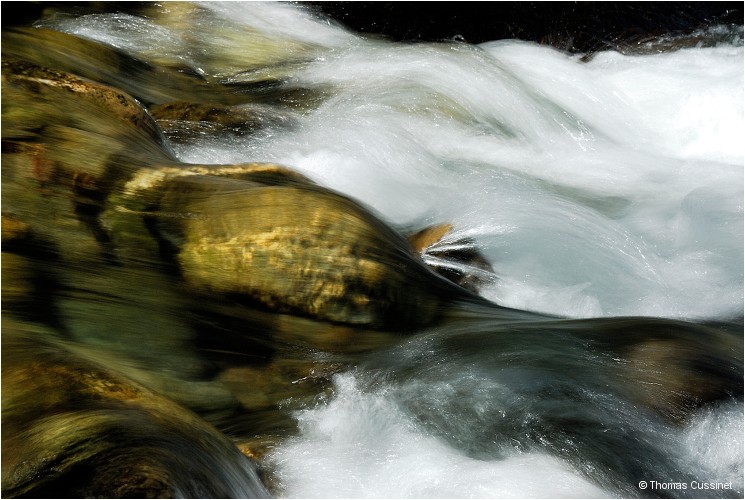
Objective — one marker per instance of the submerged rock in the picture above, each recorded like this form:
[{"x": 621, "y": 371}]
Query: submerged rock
[
  {"x": 149, "y": 83},
  {"x": 192, "y": 118},
  {"x": 23, "y": 76},
  {"x": 68, "y": 142},
  {"x": 72, "y": 428}
]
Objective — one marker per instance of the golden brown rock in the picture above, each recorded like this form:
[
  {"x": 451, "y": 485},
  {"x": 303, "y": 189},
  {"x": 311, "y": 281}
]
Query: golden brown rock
[
  {"x": 429, "y": 236},
  {"x": 459, "y": 260},
  {"x": 72, "y": 428},
  {"x": 98, "y": 62},
  {"x": 296, "y": 249},
  {"x": 259, "y": 231}
]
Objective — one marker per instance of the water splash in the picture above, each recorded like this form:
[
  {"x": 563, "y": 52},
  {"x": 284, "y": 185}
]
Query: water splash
[{"x": 361, "y": 445}]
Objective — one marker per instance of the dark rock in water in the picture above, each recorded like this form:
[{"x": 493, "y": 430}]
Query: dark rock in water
[
  {"x": 671, "y": 367},
  {"x": 221, "y": 118},
  {"x": 610, "y": 396},
  {"x": 185, "y": 121},
  {"x": 72, "y": 428}
]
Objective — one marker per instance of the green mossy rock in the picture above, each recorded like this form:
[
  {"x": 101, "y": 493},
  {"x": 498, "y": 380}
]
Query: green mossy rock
[{"x": 74, "y": 429}]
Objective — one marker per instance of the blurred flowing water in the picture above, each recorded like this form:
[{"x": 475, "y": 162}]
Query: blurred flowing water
[{"x": 596, "y": 188}]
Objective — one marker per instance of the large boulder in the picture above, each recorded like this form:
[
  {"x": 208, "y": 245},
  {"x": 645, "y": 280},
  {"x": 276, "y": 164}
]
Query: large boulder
[{"x": 280, "y": 241}]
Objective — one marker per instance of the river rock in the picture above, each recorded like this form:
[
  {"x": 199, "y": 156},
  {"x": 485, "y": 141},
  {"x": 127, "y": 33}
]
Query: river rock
[
  {"x": 298, "y": 249},
  {"x": 669, "y": 367},
  {"x": 150, "y": 84},
  {"x": 68, "y": 142},
  {"x": 186, "y": 121},
  {"x": 73, "y": 428},
  {"x": 272, "y": 237},
  {"x": 457, "y": 259}
]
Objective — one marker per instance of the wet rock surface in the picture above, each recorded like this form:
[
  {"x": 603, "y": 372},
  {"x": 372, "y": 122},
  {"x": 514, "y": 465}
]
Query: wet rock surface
[{"x": 73, "y": 428}]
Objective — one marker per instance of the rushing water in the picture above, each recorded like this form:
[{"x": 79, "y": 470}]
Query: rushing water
[{"x": 596, "y": 188}]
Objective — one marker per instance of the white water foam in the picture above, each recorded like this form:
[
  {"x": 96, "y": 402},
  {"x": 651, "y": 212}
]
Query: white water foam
[
  {"x": 713, "y": 445},
  {"x": 360, "y": 445}
]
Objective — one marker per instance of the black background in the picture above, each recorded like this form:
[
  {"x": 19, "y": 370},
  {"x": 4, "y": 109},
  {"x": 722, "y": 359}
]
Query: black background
[{"x": 572, "y": 26}]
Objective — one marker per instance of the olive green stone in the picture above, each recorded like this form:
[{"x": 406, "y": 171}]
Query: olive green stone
[
  {"x": 299, "y": 249},
  {"x": 74, "y": 428}
]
